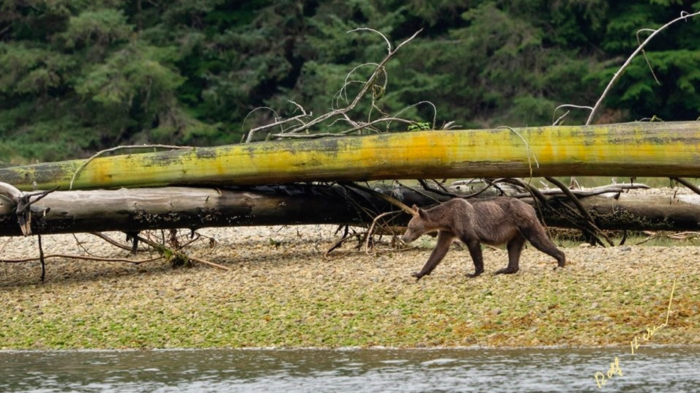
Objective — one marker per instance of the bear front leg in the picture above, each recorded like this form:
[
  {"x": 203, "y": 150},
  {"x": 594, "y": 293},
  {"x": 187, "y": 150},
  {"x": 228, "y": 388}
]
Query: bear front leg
[
  {"x": 443, "y": 245},
  {"x": 475, "y": 251}
]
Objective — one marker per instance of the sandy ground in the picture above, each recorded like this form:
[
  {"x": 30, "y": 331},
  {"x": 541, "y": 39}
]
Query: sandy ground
[{"x": 282, "y": 292}]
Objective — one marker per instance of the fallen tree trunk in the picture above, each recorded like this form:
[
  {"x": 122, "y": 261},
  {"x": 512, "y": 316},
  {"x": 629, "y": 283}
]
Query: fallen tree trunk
[
  {"x": 637, "y": 212},
  {"x": 630, "y": 149},
  {"x": 184, "y": 207},
  {"x": 131, "y": 210}
]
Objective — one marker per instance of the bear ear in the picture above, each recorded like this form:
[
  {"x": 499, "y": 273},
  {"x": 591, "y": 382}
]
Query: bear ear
[
  {"x": 414, "y": 210},
  {"x": 422, "y": 214}
]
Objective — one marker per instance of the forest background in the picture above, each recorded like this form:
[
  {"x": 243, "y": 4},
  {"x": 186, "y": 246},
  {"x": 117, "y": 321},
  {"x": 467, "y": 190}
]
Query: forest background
[{"x": 78, "y": 76}]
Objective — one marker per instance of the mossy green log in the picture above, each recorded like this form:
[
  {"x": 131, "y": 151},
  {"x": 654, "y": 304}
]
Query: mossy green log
[{"x": 629, "y": 149}]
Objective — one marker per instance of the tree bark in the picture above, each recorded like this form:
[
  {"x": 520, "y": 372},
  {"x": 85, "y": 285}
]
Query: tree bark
[
  {"x": 637, "y": 212},
  {"x": 670, "y": 149},
  {"x": 184, "y": 207},
  {"x": 131, "y": 210}
]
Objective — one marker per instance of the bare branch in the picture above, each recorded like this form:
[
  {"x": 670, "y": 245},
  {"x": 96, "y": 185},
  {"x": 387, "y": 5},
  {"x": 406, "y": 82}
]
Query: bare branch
[
  {"x": 301, "y": 108},
  {"x": 609, "y": 189},
  {"x": 688, "y": 184},
  {"x": 249, "y": 136},
  {"x": 371, "y": 85},
  {"x": 20, "y": 204},
  {"x": 370, "y": 231},
  {"x": 567, "y": 106},
  {"x": 651, "y": 119},
  {"x": 420, "y": 103},
  {"x": 358, "y": 127},
  {"x": 449, "y": 125},
  {"x": 644, "y": 53},
  {"x": 10, "y": 191},
  {"x": 346, "y": 118},
  {"x": 618, "y": 73},
  {"x": 409, "y": 39},
  {"x": 178, "y": 254},
  {"x": 79, "y": 257},
  {"x": 560, "y": 118},
  {"x": 388, "y": 44},
  {"x": 387, "y": 198},
  {"x": 377, "y": 121},
  {"x": 368, "y": 84},
  {"x": 278, "y": 120},
  {"x": 582, "y": 210},
  {"x": 111, "y": 241},
  {"x": 342, "y": 93},
  {"x": 210, "y": 263}
]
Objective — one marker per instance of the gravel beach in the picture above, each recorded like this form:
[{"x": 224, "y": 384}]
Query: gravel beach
[{"x": 282, "y": 292}]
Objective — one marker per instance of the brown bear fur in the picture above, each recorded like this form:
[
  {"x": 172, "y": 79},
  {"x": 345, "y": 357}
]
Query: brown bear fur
[{"x": 492, "y": 221}]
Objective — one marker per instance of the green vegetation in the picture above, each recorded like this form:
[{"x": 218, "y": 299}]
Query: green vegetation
[
  {"x": 78, "y": 76},
  {"x": 603, "y": 297}
]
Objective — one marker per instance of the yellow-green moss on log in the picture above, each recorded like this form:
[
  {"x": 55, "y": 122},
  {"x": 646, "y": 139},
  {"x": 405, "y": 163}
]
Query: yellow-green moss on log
[{"x": 630, "y": 149}]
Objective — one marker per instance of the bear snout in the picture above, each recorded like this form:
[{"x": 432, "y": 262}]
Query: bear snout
[{"x": 408, "y": 237}]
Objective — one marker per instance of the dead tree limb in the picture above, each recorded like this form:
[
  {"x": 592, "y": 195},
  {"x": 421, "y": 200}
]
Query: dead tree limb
[
  {"x": 640, "y": 48},
  {"x": 192, "y": 208},
  {"x": 368, "y": 87}
]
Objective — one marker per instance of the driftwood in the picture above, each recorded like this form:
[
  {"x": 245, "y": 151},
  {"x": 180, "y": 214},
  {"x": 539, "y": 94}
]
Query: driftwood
[
  {"x": 630, "y": 149},
  {"x": 132, "y": 210}
]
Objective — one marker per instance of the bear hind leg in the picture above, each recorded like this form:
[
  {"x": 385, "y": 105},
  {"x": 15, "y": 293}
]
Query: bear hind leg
[
  {"x": 515, "y": 247},
  {"x": 537, "y": 236}
]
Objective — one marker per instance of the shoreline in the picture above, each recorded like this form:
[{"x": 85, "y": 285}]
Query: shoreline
[
  {"x": 282, "y": 293},
  {"x": 654, "y": 347}
]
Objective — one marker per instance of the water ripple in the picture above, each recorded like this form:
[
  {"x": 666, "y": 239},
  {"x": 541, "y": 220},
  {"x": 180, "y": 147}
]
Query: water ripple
[{"x": 375, "y": 370}]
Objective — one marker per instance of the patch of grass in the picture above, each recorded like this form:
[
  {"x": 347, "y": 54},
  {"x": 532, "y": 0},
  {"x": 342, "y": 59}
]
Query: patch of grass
[{"x": 290, "y": 297}]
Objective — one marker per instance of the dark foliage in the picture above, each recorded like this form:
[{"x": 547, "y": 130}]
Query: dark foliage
[{"x": 78, "y": 76}]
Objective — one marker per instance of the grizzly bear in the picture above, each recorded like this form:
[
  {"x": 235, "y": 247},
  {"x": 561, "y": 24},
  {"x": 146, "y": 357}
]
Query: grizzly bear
[{"x": 492, "y": 221}]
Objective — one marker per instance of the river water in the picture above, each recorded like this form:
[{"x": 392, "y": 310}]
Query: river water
[{"x": 675, "y": 369}]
